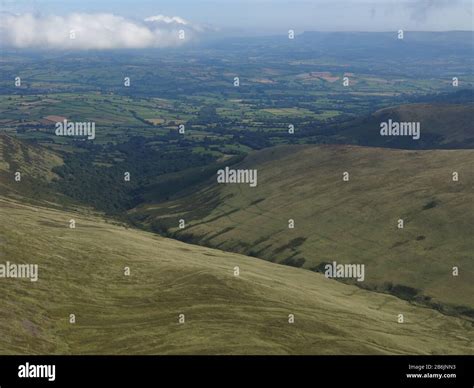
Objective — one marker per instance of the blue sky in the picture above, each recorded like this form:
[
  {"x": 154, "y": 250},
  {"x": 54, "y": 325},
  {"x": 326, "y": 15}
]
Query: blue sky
[{"x": 272, "y": 16}]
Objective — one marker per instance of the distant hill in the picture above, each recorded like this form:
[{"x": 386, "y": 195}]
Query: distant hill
[
  {"x": 418, "y": 46},
  {"x": 349, "y": 222},
  {"x": 81, "y": 272},
  {"x": 373, "y": 48},
  {"x": 441, "y": 126}
]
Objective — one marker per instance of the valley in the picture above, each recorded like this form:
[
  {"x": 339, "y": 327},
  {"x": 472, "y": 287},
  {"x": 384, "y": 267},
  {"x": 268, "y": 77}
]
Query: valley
[
  {"x": 354, "y": 221},
  {"x": 240, "y": 196}
]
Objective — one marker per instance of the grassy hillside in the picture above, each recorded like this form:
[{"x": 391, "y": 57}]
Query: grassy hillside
[
  {"x": 349, "y": 222},
  {"x": 34, "y": 165},
  {"x": 81, "y": 272},
  {"x": 442, "y": 126}
]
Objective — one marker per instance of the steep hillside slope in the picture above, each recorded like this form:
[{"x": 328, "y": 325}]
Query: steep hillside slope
[
  {"x": 81, "y": 272},
  {"x": 441, "y": 126},
  {"x": 31, "y": 160},
  {"x": 354, "y": 221},
  {"x": 26, "y": 169}
]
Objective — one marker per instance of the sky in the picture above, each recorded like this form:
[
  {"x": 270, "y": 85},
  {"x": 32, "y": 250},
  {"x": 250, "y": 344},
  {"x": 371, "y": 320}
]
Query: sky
[{"x": 155, "y": 23}]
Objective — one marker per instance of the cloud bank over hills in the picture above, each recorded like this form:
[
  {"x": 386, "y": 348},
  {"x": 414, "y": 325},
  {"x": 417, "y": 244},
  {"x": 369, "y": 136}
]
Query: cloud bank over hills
[{"x": 84, "y": 31}]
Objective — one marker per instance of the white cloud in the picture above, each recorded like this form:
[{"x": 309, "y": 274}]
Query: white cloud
[
  {"x": 166, "y": 19},
  {"x": 92, "y": 31}
]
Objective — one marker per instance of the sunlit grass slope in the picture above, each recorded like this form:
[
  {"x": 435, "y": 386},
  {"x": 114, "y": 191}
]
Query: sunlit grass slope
[
  {"x": 354, "y": 221},
  {"x": 81, "y": 272}
]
